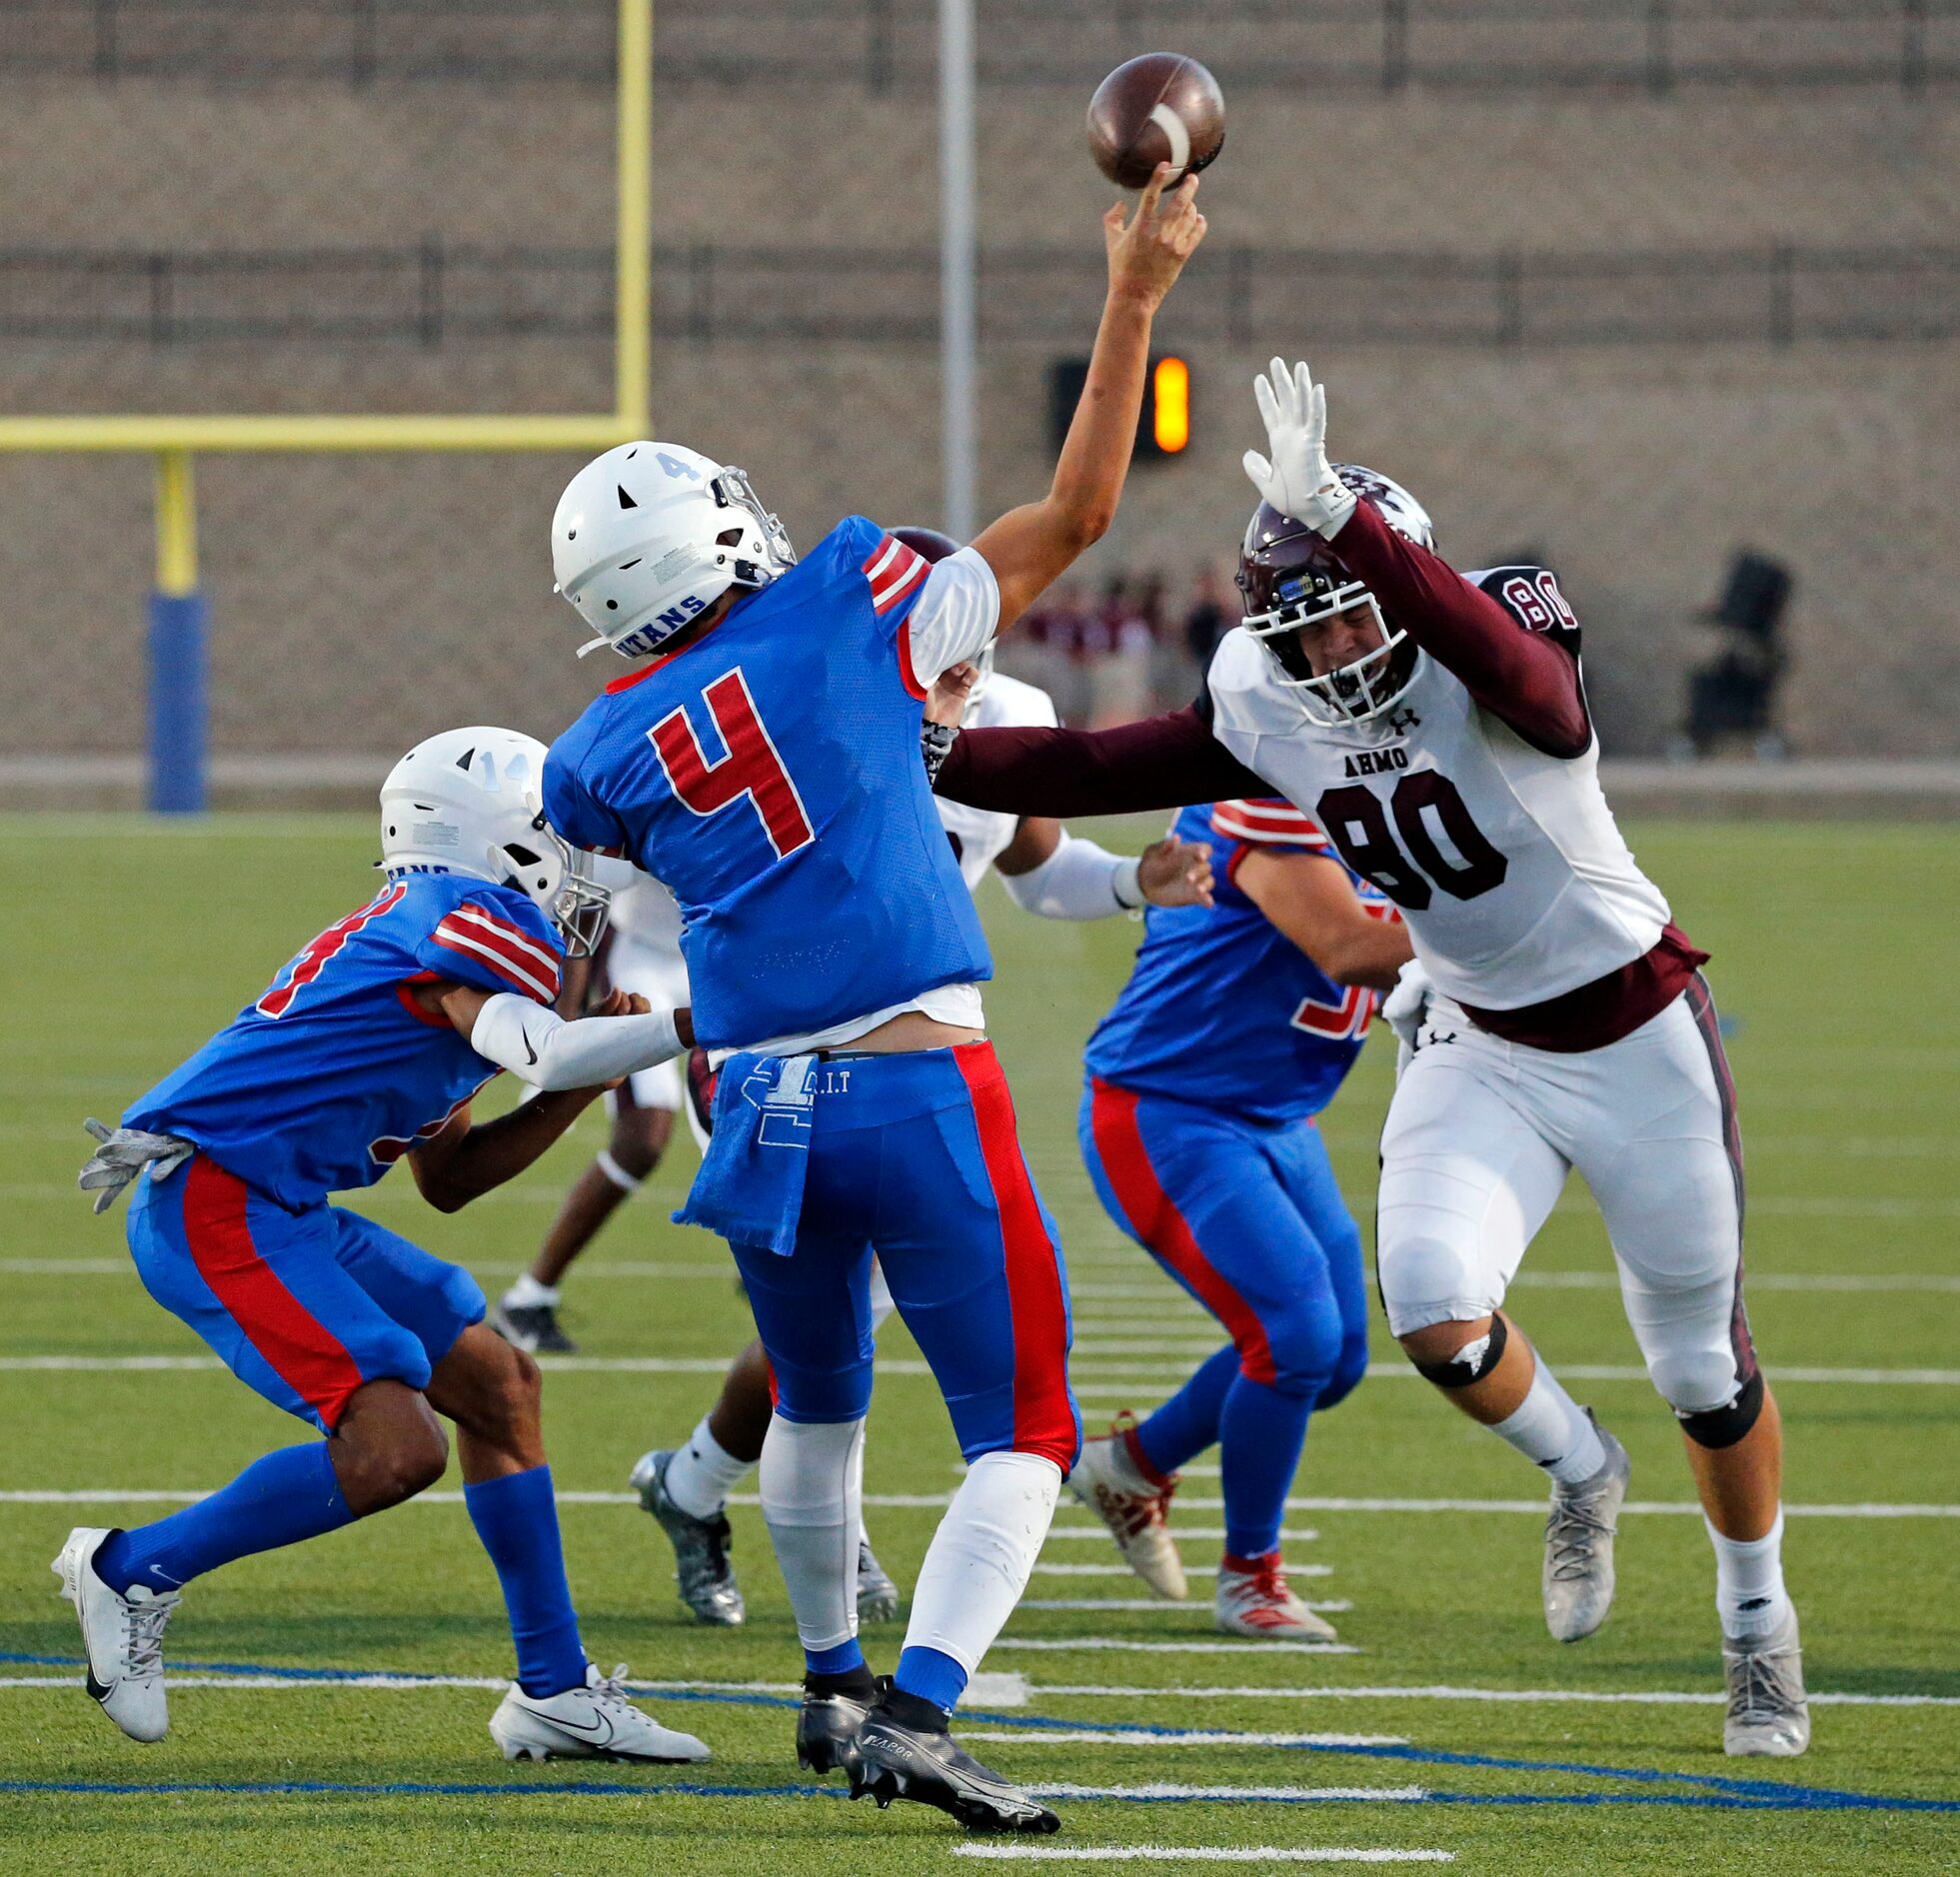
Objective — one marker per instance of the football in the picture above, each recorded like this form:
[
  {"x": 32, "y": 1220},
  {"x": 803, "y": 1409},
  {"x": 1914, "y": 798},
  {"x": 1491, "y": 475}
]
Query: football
[{"x": 1161, "y": 108}]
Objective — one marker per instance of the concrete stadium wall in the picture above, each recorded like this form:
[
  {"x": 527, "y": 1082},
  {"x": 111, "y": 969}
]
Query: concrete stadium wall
[{"x": 359, "y": 603}]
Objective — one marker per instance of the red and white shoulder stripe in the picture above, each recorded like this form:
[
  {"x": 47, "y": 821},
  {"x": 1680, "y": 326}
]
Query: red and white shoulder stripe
[
  {"x": 896, "y": 573},
  {"x": 522, "y": 960},
  {"x": 1270, "y": 820}
]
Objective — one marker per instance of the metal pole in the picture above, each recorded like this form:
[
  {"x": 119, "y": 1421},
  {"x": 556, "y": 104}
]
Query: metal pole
[
  {"x": 178, "y": 708},
  {"x": 958, "y": 367},
  {"x": 633, "y": 237}
]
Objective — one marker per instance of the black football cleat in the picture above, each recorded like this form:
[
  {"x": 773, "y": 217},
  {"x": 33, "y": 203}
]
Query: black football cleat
[
  {"x": 833, "y": 1711},
  {"x": 534, "y": 1328},
  {"x": 904, "y": 1751}
]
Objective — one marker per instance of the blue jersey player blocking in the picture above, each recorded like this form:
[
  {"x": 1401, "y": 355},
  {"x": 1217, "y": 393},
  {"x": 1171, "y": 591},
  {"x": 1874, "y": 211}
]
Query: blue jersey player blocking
[
  {"x": 1238, "y": 1027},
  {"x": 366, "y": 1049},
  {"x": 761, "y": 760}
]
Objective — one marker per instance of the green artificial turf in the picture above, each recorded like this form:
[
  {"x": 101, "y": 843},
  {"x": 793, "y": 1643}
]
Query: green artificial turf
[{"x": 124, "y": 944}]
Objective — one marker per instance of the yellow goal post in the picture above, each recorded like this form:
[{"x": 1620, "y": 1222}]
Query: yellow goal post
[{"x": 178, "y": 704}]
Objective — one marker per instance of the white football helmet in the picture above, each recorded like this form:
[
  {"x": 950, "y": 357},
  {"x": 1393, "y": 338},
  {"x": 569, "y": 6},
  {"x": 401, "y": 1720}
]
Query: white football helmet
[
  {"x": 650, "y": 534},
  {"x": 470, "y": 801}
]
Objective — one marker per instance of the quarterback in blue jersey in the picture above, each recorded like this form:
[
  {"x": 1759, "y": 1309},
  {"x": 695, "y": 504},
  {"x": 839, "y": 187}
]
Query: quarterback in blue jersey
[
  {"x": 1236, "y": 1027},
  {"x": 761, "y": 760},
  {"x": 366, "y": 1049}
]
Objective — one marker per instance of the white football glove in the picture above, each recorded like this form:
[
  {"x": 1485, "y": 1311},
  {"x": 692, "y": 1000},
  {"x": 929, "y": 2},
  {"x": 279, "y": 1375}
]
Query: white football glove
[
  {"x": 1297, "y": 479},
  {"x": 122, "y": 1154},
  {"x": 1404, "y": 1009}
]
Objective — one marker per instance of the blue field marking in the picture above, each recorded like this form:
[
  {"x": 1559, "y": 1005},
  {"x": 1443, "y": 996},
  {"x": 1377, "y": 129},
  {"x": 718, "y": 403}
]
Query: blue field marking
[
  {"x": 695, "y": 1789},
  {"x": 1716, "y": 1792}
]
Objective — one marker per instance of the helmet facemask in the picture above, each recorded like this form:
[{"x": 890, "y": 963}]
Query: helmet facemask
[
  {"x": 1354, "y": 693},
  {"x": 560, "y": 878}
]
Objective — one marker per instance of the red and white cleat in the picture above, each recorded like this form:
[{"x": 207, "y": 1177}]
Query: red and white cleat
[
  {"x": 1254, "y": 1599},
  {"x": 1115, "y": 1480}
]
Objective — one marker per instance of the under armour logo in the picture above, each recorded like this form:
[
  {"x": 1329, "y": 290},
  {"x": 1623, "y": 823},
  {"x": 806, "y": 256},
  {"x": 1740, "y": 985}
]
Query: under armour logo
[{"x": 1401, "y": 721}]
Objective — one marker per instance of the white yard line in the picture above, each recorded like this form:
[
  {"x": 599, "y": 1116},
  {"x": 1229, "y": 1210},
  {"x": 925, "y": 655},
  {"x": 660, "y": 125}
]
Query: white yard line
[
  {"x": 1760, "y": 1280},
  {"x": 1095, "y": 1382},
  {"x": 1194, "y": 1737},
  {"x": 928, "y": 1501},
  {"x": 1197, "y": 1854},
  {"x": 1165, "y": 1789},
  {"x": 1207, "y": 1532},
  {"x": 1529, "y": 1697},
  {"x": 1044, "y": 1569},
  {"x": 1333, "y": 1606},
  {"x": 1119, "y": 1645}
]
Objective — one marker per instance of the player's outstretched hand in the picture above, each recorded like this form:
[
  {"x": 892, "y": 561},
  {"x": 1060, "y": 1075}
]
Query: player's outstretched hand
[
  {"x": 946, "y": 702},
  {"x": 1296, "y": 478},
  {"x": 1176, "y": 873},
  {"x": 1147, "y": 254}
]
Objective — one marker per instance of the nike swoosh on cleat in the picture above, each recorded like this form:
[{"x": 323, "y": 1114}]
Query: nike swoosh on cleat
[{"x": 100, "y": 1690}]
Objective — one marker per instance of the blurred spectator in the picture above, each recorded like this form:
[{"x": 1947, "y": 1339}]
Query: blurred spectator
[
  {"x": 1212, "y": 613},
  {"x": 1734, "y": 694},
  {"x": 1118, "y": 653},
  {"x": 1047, "y": 649}
]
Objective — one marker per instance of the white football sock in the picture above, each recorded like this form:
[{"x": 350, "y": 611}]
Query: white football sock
[
  {"x": 1551, "y": 1431},
  {"x": 981, "y": 1555},
  {"x": 701, "y": 1475},
  {"x": 1749, "y": 1593},
  {"x": 811, "y": 1504},
  {"x": 527, "y": 1295}
]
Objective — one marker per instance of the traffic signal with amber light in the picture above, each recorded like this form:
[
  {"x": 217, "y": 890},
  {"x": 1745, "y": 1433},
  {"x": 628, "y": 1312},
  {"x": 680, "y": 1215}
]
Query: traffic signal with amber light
[{"x": 1164, "y": 429}]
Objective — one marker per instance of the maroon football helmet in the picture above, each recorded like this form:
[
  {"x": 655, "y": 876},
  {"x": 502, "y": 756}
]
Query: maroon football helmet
[{"x": 1290, "y": 578}]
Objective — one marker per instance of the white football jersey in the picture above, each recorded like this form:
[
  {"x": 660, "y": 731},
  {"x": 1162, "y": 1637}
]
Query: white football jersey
[
  {"x": 981, "y": 836},
  {"x": 648, "y": 915},
  {"x": 1508, "y": 866}
]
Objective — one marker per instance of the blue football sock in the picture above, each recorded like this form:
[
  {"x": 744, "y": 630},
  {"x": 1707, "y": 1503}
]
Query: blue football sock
[
  {"x": 517, "y": 1520},
  {"x": 1260, "y": 1433},
  {"x": 837, "y": 1661},
  {"x": 286, "y": 1496},
  {"x": 1189, "y": 1423},
  {"x": 933, "y": 1675}
]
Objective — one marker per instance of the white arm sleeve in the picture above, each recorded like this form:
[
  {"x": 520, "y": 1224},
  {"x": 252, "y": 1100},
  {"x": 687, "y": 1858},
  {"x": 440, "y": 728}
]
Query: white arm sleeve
[
  {"x": 957, "y": 611},
  {"x": 1078, "y": 881},
  {"x": 539, "y": 1046}
]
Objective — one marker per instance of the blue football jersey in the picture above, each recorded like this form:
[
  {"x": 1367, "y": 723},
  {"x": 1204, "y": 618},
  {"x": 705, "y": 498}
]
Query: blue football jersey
[
  {"x": 770, "y": 776},
  {"x": 323, "y": 1082},
  {"x": 1221, "y": 1008}
]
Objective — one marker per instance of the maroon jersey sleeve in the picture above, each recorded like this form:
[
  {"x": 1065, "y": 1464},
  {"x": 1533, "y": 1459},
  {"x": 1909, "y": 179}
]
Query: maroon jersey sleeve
[
  {"x": 1518, "y": 659},
  {"x": 1163, "y": 761}
]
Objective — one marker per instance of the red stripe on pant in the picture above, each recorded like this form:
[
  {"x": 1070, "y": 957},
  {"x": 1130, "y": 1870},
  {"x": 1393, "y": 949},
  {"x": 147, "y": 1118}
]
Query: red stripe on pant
[
  {"x": 1155, "y": 1219},
  {"x": 1044, "y": 1419},
  {"x": 295, "y": 1345}
]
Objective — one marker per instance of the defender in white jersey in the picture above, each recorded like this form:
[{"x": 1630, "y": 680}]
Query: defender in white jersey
[
  {"x": 642, "y": 955},
  {"x": 1435, "y": 726},
  {"x": 1048, "y": 872}
]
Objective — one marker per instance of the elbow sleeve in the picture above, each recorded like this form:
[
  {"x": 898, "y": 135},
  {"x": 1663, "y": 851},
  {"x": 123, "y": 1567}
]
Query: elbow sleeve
[
  {"x": 1078, "y": 881},
  {"x": 540, "y": 1047}
]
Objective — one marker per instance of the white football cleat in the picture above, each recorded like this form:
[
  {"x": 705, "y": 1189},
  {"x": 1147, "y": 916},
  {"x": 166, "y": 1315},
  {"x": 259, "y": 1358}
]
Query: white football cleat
[
  {"x": 1109, "y": 1480},
  {"x": 1767, "y": 1711},
  {"x": 595, "y": 1722},
  {"x": 121, "y": 1635},
  {"x": 1577, "y": 1579},
  {"x": 1254, "y": 1600}
]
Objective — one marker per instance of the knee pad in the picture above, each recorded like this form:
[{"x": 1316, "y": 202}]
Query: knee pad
[
  {"x": 1471, "y": 1362},
  {"x": 1425, "y": 1279},
  {"x": 1353, "y": 1365},
  {"x": 1724, "y": 1426},
  {"x": 1304, "y": 1349}
]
